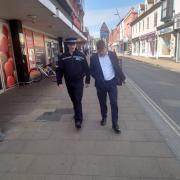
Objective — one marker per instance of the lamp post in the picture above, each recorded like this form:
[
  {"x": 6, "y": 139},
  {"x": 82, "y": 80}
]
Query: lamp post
[{"x": 117, "y": 14}]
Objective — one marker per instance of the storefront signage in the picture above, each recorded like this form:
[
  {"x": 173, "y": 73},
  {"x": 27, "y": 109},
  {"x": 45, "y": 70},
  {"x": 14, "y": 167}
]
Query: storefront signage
[
  {"x": 38, "y": 39},
  {"x": 166, "y": 30},
  {"x": 149, "y": 37},
  {"x": 40, "y": 56}
]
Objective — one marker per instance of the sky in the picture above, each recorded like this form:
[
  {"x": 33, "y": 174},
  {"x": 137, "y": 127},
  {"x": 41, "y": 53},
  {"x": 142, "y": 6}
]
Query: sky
[{"x": 99, "y": 11}]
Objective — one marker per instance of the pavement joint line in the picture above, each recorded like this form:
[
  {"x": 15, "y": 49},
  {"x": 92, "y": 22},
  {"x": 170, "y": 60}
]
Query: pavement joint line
[{"x": 163, "y": 115}]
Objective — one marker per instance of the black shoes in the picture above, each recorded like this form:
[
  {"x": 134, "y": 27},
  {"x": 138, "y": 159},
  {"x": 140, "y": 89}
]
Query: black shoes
[
  {"x": 78, "y": 125},
  {"x": 116, "y": 129},
  {"x": 103, "y": 122}
]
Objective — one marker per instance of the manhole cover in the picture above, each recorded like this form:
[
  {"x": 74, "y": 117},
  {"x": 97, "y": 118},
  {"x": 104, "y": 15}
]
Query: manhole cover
[{"x": 55, "y": 115}]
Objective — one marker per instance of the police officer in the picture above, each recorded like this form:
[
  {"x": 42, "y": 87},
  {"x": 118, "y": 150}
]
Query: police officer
[{"x": 73, "y": 66}]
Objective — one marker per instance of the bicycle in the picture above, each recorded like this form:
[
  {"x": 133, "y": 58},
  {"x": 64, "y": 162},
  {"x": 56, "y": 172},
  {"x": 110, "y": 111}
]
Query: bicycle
[{"x": 39, "y": 72}]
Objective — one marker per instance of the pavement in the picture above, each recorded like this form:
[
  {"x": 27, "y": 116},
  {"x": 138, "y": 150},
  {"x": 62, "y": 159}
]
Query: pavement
[
  {"x": 41, "y": 142},
  {"x": 163, "y": 63}
]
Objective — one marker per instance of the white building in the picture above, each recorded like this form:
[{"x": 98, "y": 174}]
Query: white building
[{"x": 144, "y": 29}]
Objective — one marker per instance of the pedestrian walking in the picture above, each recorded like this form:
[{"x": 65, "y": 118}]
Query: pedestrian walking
[
  {"x": 105, "y": 69},
  {"x": 73, "y": 66}
]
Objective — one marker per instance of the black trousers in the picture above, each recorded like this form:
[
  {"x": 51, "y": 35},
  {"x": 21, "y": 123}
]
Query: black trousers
[
  {"x": 75, "y": 90},
  {"x": 109, "y": 88}
]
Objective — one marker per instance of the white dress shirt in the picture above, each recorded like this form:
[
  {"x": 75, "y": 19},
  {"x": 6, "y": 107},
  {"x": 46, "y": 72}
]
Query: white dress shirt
[{"x": 107, "y": 68}]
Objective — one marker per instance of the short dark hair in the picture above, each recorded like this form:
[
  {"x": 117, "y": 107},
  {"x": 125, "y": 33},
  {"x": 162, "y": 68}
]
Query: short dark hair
[{"x": 100, "y": 44}]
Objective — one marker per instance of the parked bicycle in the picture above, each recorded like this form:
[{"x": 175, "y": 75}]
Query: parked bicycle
[{"x": 39, "y": 72}]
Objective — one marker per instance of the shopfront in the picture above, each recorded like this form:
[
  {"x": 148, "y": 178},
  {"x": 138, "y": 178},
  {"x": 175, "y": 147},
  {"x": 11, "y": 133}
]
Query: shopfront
[
  {"x": 166, "y": 43},
  {"x": 135, "y": 47},
  {"x": 148, "y": 44}
]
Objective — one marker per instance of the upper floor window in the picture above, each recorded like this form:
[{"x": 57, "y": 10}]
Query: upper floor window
[
  {"x": 147, "y": 22},
  {"x": 164, "y": 8},
  {"x": 167, "y": 10},
  {"x": 155, "y": 19}
]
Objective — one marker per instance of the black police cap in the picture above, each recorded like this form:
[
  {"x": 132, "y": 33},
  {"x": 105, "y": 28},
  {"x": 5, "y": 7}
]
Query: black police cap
[{"x": 71, "y": 40}]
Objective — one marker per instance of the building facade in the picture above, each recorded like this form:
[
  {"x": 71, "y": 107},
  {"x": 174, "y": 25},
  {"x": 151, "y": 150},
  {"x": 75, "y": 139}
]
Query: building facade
[
  {"x": 165, "y": 31},
  {"x": 144, "y": 29},
  {"x": 30, "y": 36},
  {"x": 114, "y": 39},
  {"x": 127, "y": 39}
]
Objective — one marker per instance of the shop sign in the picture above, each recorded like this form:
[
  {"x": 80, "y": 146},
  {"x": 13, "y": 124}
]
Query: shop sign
[
  {"x": 40, "y": 56},
  {"x": 166, "y": 30},
  {"x": 149, "y": 37}
]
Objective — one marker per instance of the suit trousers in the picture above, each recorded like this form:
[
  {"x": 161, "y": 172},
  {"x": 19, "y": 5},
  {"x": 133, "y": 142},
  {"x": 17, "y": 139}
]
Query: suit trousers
[
  {"x": 75, "y": 91},
  {"x": 110, "y": 88}
]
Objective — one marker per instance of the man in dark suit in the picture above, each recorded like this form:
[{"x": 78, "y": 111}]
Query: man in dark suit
[{"x": 105, "y": 69}]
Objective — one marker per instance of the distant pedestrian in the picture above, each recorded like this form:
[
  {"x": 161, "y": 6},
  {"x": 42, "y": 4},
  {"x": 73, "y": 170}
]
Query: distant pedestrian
[
  {"x": 105, "y": 69},
  {"x": 73, "y": 66}
]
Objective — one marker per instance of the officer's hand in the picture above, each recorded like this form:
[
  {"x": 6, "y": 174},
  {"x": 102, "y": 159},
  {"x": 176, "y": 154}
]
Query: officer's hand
[{"x": 86, "y": 85}]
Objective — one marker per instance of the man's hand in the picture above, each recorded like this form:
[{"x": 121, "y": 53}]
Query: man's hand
[{"x": 86, "y": 85}]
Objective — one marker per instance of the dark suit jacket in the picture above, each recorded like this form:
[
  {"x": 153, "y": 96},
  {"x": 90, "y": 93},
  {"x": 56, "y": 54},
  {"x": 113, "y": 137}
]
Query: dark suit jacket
[{"x": 96, "y": 70}]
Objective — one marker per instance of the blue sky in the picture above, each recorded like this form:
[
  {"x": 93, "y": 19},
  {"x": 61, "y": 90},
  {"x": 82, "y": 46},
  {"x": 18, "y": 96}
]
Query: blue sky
[{"x": 99, "y": 11}]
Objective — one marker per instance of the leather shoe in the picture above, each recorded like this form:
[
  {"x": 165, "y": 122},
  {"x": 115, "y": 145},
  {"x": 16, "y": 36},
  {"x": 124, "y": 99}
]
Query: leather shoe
[
  {"x": 103, "y": 122},
  {"x": 78, "y": 125},
  {"x": 116, "y": 129}
]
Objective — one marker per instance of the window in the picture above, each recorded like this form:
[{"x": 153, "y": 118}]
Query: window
[
  {"x": 164, "y": 9},
  {"x": 155, "y": 19},
  {"x": 167, "y": 10},
  {"x": 148, "y": 23},
  {"x": 139, "y": 26}
]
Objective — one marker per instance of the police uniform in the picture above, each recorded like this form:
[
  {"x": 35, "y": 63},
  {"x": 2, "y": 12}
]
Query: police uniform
[{"x": 74, "y": 67}]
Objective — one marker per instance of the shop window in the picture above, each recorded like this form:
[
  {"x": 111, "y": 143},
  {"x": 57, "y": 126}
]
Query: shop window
[
  {"x": 166, "y": 41},
  {"x": 143, "y": 43}
]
